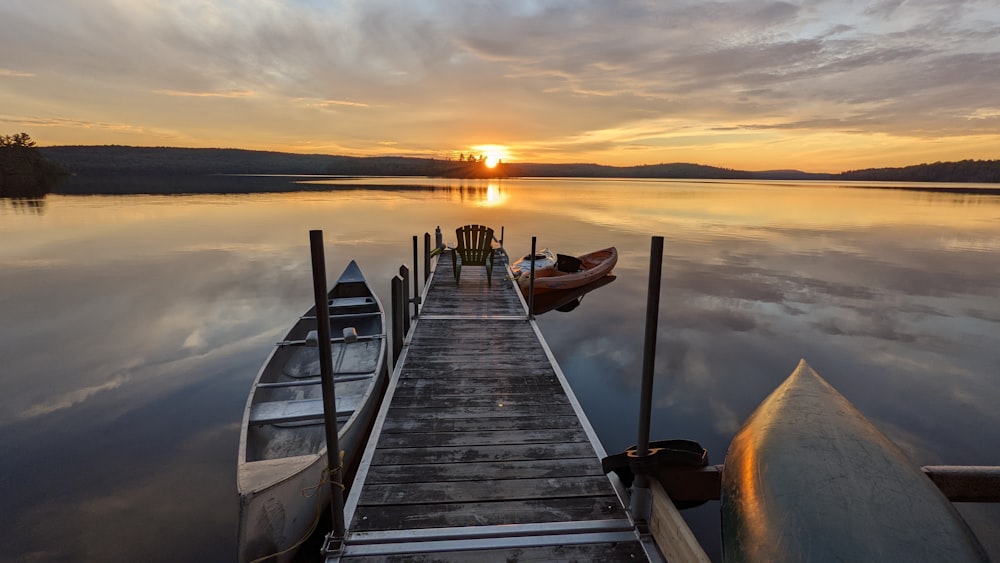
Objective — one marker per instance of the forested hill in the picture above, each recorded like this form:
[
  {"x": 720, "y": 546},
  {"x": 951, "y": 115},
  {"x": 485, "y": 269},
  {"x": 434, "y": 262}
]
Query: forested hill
[
  {"x": 114, "y": 159},
  {"x": 163, "y": 161},
  {"x": 980, "y": 171}
]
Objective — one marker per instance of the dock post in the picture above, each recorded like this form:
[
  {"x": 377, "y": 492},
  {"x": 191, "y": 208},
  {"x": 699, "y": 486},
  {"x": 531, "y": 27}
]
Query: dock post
[
  {"x": 404, "y": 273},
  {"x": 398, "y": 310},
  {"x": 640, "y": 504},
  {"x": 416, "y": 279},
  {"x": 531, "y": 282},
  {"x": 501, "y": 236},
  {"x": 333, "y": 462},
  {"x": 427, "y": 257}
]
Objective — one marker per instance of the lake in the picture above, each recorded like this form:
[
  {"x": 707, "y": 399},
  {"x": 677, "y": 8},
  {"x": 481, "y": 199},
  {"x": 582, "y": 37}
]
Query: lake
[{"x": 133, "y": 327}]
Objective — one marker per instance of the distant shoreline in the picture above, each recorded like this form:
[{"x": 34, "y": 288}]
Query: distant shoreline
[
  {"x": 121, "y": 161},
  {"x": 245, "y": 184}
]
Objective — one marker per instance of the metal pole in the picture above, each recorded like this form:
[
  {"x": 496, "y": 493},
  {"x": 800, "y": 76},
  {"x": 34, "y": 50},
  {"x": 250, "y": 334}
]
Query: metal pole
[
  {"x": 649, "y": 348},
  {"x": 427, "y": 257},
  {"x": 398, "y": 310},
  {"x": 640, "y": 502},
  {"x": 531, "y": 282},
  {"x": 326, "y": 379},
  {"x": 404, "y": 273},
  {"x": 416, "y": 279}
]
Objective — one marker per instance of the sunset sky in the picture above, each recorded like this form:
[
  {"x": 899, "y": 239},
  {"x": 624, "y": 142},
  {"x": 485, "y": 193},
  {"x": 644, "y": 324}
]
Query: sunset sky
[{"x": 821, "y": 86}]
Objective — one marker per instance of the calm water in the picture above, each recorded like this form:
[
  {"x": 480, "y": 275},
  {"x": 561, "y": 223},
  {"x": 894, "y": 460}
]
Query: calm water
[{"x": 134, "y": 325}]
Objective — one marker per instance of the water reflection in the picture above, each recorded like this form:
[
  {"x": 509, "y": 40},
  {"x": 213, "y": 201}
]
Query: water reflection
[
  {"x": 135, "y": 324},
  {"x": 28, "y": 205},
  {"x": 566, "y": 300}
]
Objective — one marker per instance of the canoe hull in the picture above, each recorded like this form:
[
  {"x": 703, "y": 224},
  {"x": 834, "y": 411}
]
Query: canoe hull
[
  {"x": 274, "y": 518},
  {"x": 808, "y": 478},
  {"x": 281, "y": 458}
]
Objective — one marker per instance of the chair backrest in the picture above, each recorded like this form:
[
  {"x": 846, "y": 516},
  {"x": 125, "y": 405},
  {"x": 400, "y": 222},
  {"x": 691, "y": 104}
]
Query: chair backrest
[{"x": 475, "y": 244}]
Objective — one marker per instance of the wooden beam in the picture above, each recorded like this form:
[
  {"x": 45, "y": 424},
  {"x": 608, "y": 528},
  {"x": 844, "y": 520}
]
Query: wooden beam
[
  {"x": 960, "y": 483},
  {"x": 670, "y": 532},
  {"x": 966, "y": 483}
]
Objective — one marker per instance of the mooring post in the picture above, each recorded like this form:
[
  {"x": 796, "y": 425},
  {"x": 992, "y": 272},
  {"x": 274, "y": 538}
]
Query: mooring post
[
  {"x": 333, "y": 462},
  {"x": 531, "y": 282},
  {"x": 640, "y": 503},
  {"x": 398, "y": 310},
  {"x": 416, "y": 279},
  {"x": 427, "y": 257},
  {"x": 501, "y": 236},
  {"x": 404, "y": 273}
]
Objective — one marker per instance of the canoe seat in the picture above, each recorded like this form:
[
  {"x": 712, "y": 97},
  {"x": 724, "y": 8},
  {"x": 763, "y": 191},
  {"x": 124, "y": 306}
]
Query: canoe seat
[
  {"x": 315, "y": 381},
  {"x": 273, "y": 412},
  {"x": 347, "y": 305},
  {"x": 475, "y": 248}
]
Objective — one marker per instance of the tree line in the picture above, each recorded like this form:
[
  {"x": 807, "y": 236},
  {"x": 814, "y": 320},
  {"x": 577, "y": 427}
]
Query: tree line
[
  {"x": 24, "y": 172},
  {"x": 23, "y": 159},
  {"x": 978, "y": 171}
]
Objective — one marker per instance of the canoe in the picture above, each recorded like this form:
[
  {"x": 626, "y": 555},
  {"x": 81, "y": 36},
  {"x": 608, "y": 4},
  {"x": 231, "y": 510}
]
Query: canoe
[
  {"x": 593, "y": 266},
  {"x": 809, "y": 478},
  {"x": 282, "y": 451}
]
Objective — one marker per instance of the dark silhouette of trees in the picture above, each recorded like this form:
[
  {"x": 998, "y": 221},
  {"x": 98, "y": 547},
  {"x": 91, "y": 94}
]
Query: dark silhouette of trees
[
  {"x": 17, "y": 140},
  {"x": 979, "y": 171},
  {"x": 24, "y": 172}
]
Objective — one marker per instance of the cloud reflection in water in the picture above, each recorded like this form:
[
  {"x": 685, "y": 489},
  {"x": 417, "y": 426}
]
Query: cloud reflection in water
[{"x": 135, "y": 325}]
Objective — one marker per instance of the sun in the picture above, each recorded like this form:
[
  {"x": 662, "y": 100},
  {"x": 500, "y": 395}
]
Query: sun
[{"x": 492, "y": 155}]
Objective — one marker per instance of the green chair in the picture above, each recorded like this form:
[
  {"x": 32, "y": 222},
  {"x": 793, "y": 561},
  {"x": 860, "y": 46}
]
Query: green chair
[{"x": 475, "y": 248}]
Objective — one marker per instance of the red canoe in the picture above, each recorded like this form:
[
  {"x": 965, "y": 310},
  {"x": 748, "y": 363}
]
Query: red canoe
[{"x": 592, "y": 267}]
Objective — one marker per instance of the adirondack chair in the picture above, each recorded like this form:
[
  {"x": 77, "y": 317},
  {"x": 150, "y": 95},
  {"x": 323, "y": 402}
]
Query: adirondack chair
[{"x": 475, "y": 248}]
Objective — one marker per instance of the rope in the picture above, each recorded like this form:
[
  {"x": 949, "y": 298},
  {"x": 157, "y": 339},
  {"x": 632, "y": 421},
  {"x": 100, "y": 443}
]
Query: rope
[{"x": 310, "y": 492}]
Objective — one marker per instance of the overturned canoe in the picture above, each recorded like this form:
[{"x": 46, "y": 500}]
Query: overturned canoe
[{"x": 809, "y": 478}]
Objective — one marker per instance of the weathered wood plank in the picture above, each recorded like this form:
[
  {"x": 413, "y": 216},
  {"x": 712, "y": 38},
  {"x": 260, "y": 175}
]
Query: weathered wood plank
[
  {"x": 482, "y": 491},
  {"x": 417, "y": 516},
  {"x": 459, "y": 424},
  {"x": 442, "y": 387},
  {"x": 500, "y": 452},
  {"x": 522, "y": 378},
  {"x": 479, "y": 471},
  {"x": 456, "y": 401},
  {"x": 419, "y": 440},
  {"x": 621, "y": 551},
  {"x": 457, "y": 365},
  {"x": 493, "y": 411}
]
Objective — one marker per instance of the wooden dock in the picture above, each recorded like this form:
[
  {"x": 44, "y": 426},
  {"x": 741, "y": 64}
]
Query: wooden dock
[{"x": 480, "y": 451}]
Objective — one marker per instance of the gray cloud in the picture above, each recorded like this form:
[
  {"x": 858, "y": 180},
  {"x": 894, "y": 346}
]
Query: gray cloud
[{"x": 550, "y": 73}]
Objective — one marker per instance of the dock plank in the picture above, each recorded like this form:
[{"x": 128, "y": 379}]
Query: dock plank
[
  {"x": 481, "y": 491},
  {"x": 482, "y": 437},
  {"x": 454, "y": 425},
  {"x": 499, "y": 452},
  {"x": 479, "y": 471},
  {"x": 416, "y": 516},
  {"x": 540, "y": 554}
]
